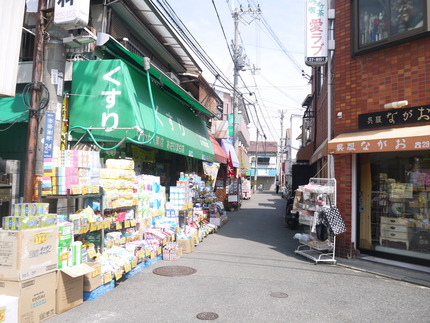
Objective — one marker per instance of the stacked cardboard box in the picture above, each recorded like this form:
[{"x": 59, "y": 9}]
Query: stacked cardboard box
[
  {"x": 26, "y": 216},
  {"x": 28, "y": 271}
]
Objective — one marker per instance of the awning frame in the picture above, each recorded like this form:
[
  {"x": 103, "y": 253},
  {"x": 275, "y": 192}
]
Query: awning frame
[{"x": 108, "y": 48}]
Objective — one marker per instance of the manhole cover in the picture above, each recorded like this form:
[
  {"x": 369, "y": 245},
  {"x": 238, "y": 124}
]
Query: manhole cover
[
  {"x": 207, "y": 316},
  {"x": 278, "y": 295},
  {"x": 171, "y": 271}
]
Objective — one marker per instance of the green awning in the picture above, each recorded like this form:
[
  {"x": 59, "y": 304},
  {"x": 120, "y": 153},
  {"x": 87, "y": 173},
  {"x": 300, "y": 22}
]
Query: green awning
[
  {"x": 108, "y": 48},
  {"x": 13, "y": 110},
  {"x": 113, "y": 100}
]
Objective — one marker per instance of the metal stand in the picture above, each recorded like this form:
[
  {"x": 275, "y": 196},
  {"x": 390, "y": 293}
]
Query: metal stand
[{"x": 319, "y": 251}]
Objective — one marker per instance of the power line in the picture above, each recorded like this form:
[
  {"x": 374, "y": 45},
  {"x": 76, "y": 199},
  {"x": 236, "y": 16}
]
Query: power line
[
  {"x": 281, "y": 46},
  {"x": 170, "y": 16}
]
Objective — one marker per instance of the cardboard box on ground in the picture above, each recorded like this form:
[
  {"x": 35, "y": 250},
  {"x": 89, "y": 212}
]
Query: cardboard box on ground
[
  {"x": 36, "y": 297},
  {"x": 93, "y": 280},
  {"x": 187, "y": 245},
  {"x": 70, "y": 286}
]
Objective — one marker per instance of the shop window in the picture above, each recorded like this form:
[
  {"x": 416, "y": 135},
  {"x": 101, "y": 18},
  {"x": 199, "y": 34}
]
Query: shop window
[
  {"x": 384, "y": 22},
  {"x": 263, "y": 160},
  {"x": 399, "y": 205}
]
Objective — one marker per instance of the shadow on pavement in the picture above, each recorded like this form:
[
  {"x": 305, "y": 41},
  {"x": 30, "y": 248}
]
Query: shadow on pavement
[{"x": 261, "y": 219}]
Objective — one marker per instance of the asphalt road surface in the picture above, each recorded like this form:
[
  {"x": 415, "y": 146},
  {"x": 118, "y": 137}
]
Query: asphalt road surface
[{"x": 248, "y": 272}]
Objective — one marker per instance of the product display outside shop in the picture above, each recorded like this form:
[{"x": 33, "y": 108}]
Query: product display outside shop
[{"x": 124, "y": 225}]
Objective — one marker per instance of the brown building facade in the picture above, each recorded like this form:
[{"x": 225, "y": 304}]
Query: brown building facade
[{"x": 380, "y": 127}]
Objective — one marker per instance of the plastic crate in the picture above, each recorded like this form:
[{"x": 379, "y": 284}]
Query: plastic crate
[
  {"x": 99, "y": 291},
  {"x": 136, "y": 269}
]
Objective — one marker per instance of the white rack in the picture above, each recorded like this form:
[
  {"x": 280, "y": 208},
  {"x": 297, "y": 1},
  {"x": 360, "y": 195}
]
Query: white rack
[{"x": 320, "y": 251}]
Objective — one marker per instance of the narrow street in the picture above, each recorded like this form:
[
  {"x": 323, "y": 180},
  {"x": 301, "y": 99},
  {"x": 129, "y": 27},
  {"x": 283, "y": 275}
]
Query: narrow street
[{"x": 248, "y": 272}]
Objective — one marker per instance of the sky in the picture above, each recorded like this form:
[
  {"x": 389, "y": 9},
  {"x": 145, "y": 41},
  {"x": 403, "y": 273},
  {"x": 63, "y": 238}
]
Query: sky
[{"x": 277, "y": 82}]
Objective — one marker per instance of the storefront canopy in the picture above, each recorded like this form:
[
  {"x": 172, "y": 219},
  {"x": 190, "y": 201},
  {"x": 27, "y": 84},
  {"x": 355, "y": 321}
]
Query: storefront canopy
[
  {"x": 109, "y": 48},
  {"x": 386, "y": 140},
  {"x": 219, "y": 153},
  {"x": 111, "y": 100},
  {"x": 13, "y": 110},
  {"x": 229, "y": 149}
]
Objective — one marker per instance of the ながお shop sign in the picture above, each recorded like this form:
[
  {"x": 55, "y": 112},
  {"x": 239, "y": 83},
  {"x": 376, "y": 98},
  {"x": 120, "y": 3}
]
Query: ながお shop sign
[
  {"x": 385, "y": 140},
  {"x": 316, "y": 32}
]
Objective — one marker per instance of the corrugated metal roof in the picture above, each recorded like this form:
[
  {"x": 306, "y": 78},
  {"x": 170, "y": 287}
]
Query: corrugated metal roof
[{"x": 149, "y": 24}]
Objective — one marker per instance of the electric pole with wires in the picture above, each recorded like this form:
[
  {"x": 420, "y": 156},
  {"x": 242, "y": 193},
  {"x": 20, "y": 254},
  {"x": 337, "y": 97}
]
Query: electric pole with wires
[{"x": 239, "y": 64}]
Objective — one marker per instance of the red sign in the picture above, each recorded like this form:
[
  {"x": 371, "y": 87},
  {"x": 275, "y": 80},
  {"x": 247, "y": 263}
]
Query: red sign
[{"x": 231, "y": 171}]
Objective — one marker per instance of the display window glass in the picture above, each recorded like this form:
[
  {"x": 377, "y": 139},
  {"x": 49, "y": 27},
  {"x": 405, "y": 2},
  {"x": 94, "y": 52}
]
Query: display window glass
[
  {"x": 395, "y": 216},
  {"x": 388, "y": 20}
]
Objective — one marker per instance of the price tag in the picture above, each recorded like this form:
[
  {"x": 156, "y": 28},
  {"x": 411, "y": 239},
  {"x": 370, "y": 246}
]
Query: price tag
[
  {"x": 76, "y": 190},
  {"x": 118, "y": 274},
  {"x": 3, "y": 314},
  {"x": 126, "y": 224},
  {"x": 122, "y": 240},
  {"x": 127, "y": 267},
  {"x": 159, "y": 250},
  {"x": 152, "y": 255},
  {"x": 107, "y": 278},
  {"x": 106, "y": 224},
  {"x": 85, "y": 190},
  {"x": 133, "y": 223},
  {"x": 140, "y": 254},
  {"x": 93, "y": 227},
  {"x": 92, "y": 253},
  {"x": 40, "y": 238},
  {"x": 95, "y": 189},
  {"x": 118, "y": 225},
  {"x": 96, "y": 272},
  {"x": 147, "y": 252},
  {"x": 133, "y": 262},
  {"x": 109, "y": 244}
]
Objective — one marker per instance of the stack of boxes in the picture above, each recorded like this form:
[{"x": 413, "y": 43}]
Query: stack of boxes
[
  {"x": 28, "y": 273},
  {"x": 26, "y": 216},
  {"x": 74, "y": 171},
  {"x": 179, "y": 197},
  {"x": 117, "y": 180}
]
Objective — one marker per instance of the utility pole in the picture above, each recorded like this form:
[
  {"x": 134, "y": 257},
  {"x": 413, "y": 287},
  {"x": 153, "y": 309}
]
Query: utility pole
[
  {"x": 281, "y": 154},
  {"x": 33, "y": 118},
  {"x": 255, "y": 163},
  {"x": 331, "y": 47},
  {"x": 238, "y": 66}
]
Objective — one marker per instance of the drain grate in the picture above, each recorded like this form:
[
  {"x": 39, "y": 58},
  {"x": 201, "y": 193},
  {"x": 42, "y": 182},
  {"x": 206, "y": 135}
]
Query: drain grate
[
  {"x": 207, "y": 316},
  {"x": 278, "y": 295},
  {"x": 171, "y": 271}
]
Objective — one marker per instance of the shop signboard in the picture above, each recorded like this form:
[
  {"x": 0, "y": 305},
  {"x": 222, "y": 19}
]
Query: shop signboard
[
  {"x": 316, "y": 32},
  {"x": 49, "y": 135},
  {"x": 112, "y": 101},
  {"x": 393, "y": 139},
  {"x": 72, "y": 14},
  {"x": 420, "y": 114}
]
